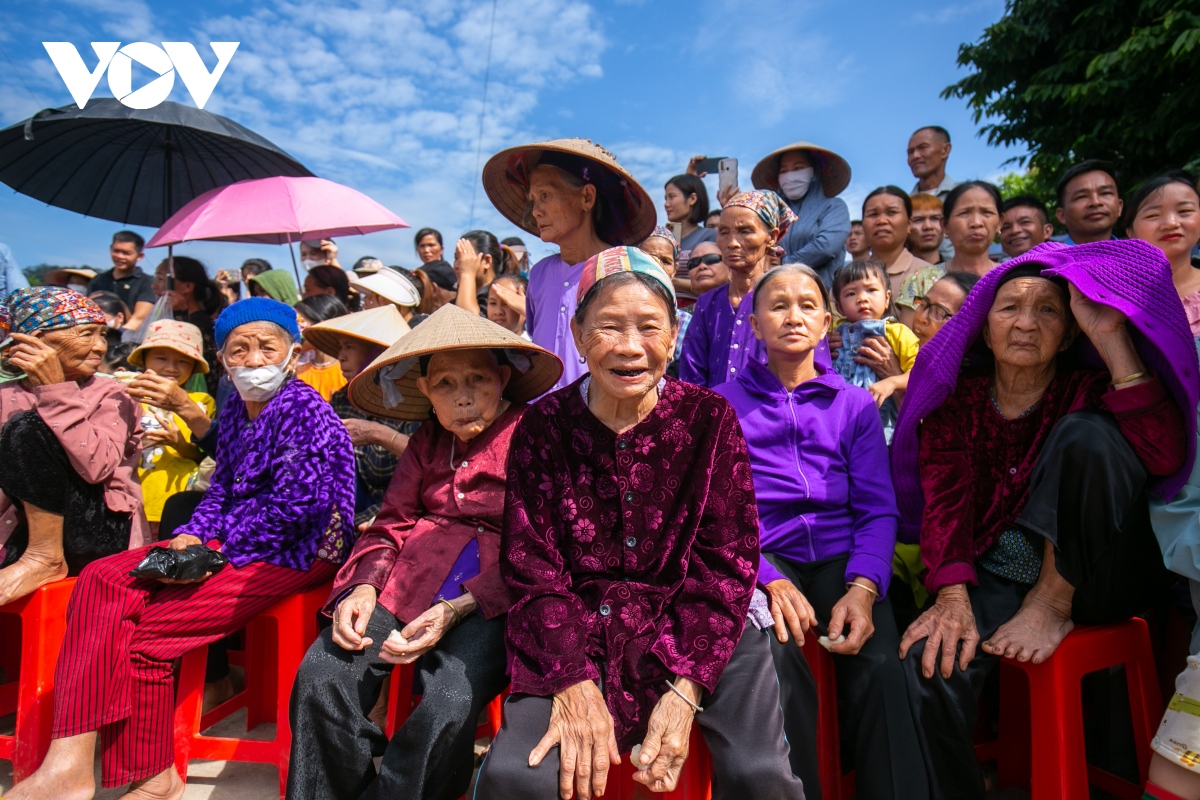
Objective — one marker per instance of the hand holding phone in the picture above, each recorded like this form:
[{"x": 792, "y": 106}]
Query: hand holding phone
[
  {"x": 702, "y": 165},
  {"x": 727, "y": 179}
]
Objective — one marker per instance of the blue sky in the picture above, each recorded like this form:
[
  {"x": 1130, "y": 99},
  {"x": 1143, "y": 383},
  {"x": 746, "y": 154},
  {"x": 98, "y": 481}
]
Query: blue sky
[{"x": 385, "y": 96}]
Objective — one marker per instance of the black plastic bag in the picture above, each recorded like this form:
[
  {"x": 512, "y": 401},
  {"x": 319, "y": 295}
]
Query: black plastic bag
[{"x": 190, "y": 564}]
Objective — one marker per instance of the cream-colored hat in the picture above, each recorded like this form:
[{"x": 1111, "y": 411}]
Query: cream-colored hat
[
  {"x": 834, "y": 171},
  {"x": 182, "y": 337},
  {"x": 381, "y": 326},
  {"x": 506, "y": 181},
  {"x": 388, "y": 387},
  {"x": 61, "y": 277},
  {"x": 390, "y": 285}
]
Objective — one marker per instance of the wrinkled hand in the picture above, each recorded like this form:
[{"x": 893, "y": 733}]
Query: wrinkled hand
[
  {"x": 350, "y": 618},
  {"x": 727, "y": 194},
  {"x": 691, "y": 167},
  {"x": 423, "y": 633},
  {"x": 791, "y": 610},
  {"x": 876, "y": 352},
  {"x": 38, "y": 360},
  {"x": 155, "y": 390},
  {"x": 583, "y": 730},
  {"x": 1095, "y": 320},
  {"x": 182, "y": 542},
  {"x": 948, "y": 622},
  {"x": 668, "y": 737},
  {"x": 853, "y": 611},
  {"x": 364, "y": 431}
]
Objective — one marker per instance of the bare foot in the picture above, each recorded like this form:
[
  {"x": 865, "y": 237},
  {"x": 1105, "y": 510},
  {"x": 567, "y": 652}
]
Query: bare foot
[
  {"x": 1036, "y": 630},
  {"x": 58, "y": 784},
  {"x": 166, "y": 785},
  {"x": 28, "y": 573},
  {"x": 378, "y": 714},
  {"x": 216, "y": 693}
]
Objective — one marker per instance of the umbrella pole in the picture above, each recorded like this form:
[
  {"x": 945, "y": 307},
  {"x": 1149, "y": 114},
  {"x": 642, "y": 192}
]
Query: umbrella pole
[
  {"x": 171, "y": 261},
  {"x": 295, "y": 267}
]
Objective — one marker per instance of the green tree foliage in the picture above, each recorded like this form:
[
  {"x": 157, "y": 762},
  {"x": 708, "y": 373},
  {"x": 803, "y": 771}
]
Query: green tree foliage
[{"x": 1076, "y": 79}]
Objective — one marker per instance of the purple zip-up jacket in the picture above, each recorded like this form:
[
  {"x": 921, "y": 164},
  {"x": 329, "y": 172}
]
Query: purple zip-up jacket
[{"x": 821, "y": 473}]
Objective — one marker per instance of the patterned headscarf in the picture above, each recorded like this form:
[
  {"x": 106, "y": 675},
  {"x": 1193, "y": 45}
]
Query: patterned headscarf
[
  {"x": 51, "y": 308},
  {"x": 615, "y": 260},
  {"x": 663, "y": 232},
  {"x": 769, "y": 207}
]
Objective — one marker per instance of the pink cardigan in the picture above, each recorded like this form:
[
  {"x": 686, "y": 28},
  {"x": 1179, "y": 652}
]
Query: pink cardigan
[{"x": 100, "y": 427}]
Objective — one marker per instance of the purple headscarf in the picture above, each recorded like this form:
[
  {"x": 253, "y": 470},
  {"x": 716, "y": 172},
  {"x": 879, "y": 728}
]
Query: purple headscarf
[{"x": 1132, "y": 276}]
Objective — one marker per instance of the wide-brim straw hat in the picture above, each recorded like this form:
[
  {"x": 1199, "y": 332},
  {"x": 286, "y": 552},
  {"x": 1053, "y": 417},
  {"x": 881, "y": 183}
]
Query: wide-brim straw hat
[
  {"x": 390, "y": 285},
  {"x": 534, "y": 370},
  {"x": 834, "y": 170},
  {"x": 506, "y": 181},
  {"x": 182, "y": 337},
  {"x": 381, "y": 326},
  {"x": 58, "y": 277}
]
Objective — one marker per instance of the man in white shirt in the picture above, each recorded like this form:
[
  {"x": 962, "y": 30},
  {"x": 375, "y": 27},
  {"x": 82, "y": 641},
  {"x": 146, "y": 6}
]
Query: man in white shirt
[{"x": 928, "y": 151}]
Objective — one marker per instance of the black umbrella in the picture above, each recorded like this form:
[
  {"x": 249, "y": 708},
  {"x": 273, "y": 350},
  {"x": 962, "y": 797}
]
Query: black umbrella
[{"x": 133, "y": 166}]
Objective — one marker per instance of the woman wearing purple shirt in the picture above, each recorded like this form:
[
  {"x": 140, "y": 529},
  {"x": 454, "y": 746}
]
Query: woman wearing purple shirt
[
  {"x": 827, "y": 515},
  {"x": 574, "y": 194}
]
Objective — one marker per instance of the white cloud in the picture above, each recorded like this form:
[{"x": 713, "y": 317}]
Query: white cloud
[{"x": 941, "y": 16}]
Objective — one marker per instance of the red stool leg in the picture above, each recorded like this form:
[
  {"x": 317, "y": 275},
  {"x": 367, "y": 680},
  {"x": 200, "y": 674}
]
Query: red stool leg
[
  {"x": 829, "y": 757},
  {"x": 189, "y": 702}
]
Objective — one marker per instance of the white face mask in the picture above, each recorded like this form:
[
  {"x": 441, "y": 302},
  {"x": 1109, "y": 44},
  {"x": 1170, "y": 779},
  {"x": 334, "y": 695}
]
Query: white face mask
[
  {"x": 309, "y": 263},
  {"x": 78, "y": 287},
  {"x": 259, "y": 384},
  {"x": 795, "y": 184}
]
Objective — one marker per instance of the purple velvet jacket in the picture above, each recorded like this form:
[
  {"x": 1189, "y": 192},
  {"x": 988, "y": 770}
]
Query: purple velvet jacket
[
  {"x": 1130, "y": 275},
  {"x": 283, "y": 489},
  {"x": 631, "y": 558}
]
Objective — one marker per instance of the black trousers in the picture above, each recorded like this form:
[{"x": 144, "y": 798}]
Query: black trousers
[
  {"x": 432, "y": 755},
  {"x": 742, "y": 725},
  {"x": 35, "y": 469},
  {"x": 875, "y": 716},
  {"x": 1087, "y": 496}
]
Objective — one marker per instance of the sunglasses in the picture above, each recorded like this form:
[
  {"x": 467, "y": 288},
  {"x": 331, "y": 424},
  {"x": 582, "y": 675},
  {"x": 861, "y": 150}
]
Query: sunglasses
[{"x": 710, "y": 259}]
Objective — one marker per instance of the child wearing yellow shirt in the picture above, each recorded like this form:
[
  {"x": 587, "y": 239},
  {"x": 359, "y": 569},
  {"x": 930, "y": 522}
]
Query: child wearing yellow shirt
[{"x": 172, "y": 350}]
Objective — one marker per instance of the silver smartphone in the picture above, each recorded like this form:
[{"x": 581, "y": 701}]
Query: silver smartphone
[{"x": 727, "y": 174}]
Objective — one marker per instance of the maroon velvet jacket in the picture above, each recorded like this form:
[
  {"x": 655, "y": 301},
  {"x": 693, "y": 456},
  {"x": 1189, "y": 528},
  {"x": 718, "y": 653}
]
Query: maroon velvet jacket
[
  {"x": 631, "y": 559},
  {"x": 975, "y": 465},
  {"x": 429, "y": 514}
]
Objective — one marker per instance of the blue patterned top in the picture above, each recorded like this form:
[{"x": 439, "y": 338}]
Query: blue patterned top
[{"x": 283, "y": 489}]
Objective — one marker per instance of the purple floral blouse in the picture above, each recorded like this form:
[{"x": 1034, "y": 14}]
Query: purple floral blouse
[{"x": 631, "y": 558}]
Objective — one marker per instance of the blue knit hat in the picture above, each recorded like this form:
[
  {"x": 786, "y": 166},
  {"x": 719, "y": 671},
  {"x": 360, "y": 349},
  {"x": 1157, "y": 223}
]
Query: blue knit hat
[{"x": 256, "y": 309}]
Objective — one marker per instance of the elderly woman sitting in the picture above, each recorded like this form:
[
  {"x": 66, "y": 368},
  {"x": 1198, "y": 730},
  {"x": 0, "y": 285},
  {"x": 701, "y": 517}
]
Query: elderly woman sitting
[
  {"x": 827, "y": 512},
  {"x": 279, "y": 507},
  {"x": 630, "y": 547},
  {"x": 68, "y": 445},
  {"x": 415, "y": 580},
  {"x": 1028, "y": 479}
]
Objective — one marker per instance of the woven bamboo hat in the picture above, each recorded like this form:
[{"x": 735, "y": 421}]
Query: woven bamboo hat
[
  {"x": 833, "y": 170},
  {"x": 381, "y": 326},
  {"x": 506, "y": 181},
  {"x": 61, "y": 276},
  {"x": 388, "y": 387},
  {"x": 390, "y": 285}
]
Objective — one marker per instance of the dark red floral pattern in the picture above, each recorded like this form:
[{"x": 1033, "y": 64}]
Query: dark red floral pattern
[{"x": 630, "y": 558}]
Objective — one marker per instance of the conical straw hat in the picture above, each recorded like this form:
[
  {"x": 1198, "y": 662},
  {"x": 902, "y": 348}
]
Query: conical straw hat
[
  {"x": 834, "y": 171},
  {"x": 381, "y": 326},
  {"x": 506, "y": 181},
  {"x": 534, "y": 370}
]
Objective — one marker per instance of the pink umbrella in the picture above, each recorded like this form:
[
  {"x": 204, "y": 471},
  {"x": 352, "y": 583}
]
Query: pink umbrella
[{"x": 276, "y": 211}]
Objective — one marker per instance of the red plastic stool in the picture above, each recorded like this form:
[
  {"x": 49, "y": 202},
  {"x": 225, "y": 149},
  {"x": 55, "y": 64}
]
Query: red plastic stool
[
  {"x": 834, "y": 785},
  {"x": 31, "y": 633},
  {"x": 1043, "y": 702},
  {"x": 276, "y": 642}
]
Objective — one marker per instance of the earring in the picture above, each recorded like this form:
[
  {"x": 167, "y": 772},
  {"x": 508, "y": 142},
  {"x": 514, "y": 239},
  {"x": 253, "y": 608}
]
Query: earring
[{"x": 582, "y": 360}]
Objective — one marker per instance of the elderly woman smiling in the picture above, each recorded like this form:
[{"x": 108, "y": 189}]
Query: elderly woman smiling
[
  {"x": 827, "y": 511},
  {"x": 279, "y": 507},
  {"x": 68, "y": 446},
  {"x": 424, "y": 580},
  {"x": 1033, "y": 472},
  {"x": 630, "y": 547}
]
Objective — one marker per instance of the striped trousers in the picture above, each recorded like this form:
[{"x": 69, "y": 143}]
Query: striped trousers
[{"x": 115, "y": 672}]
